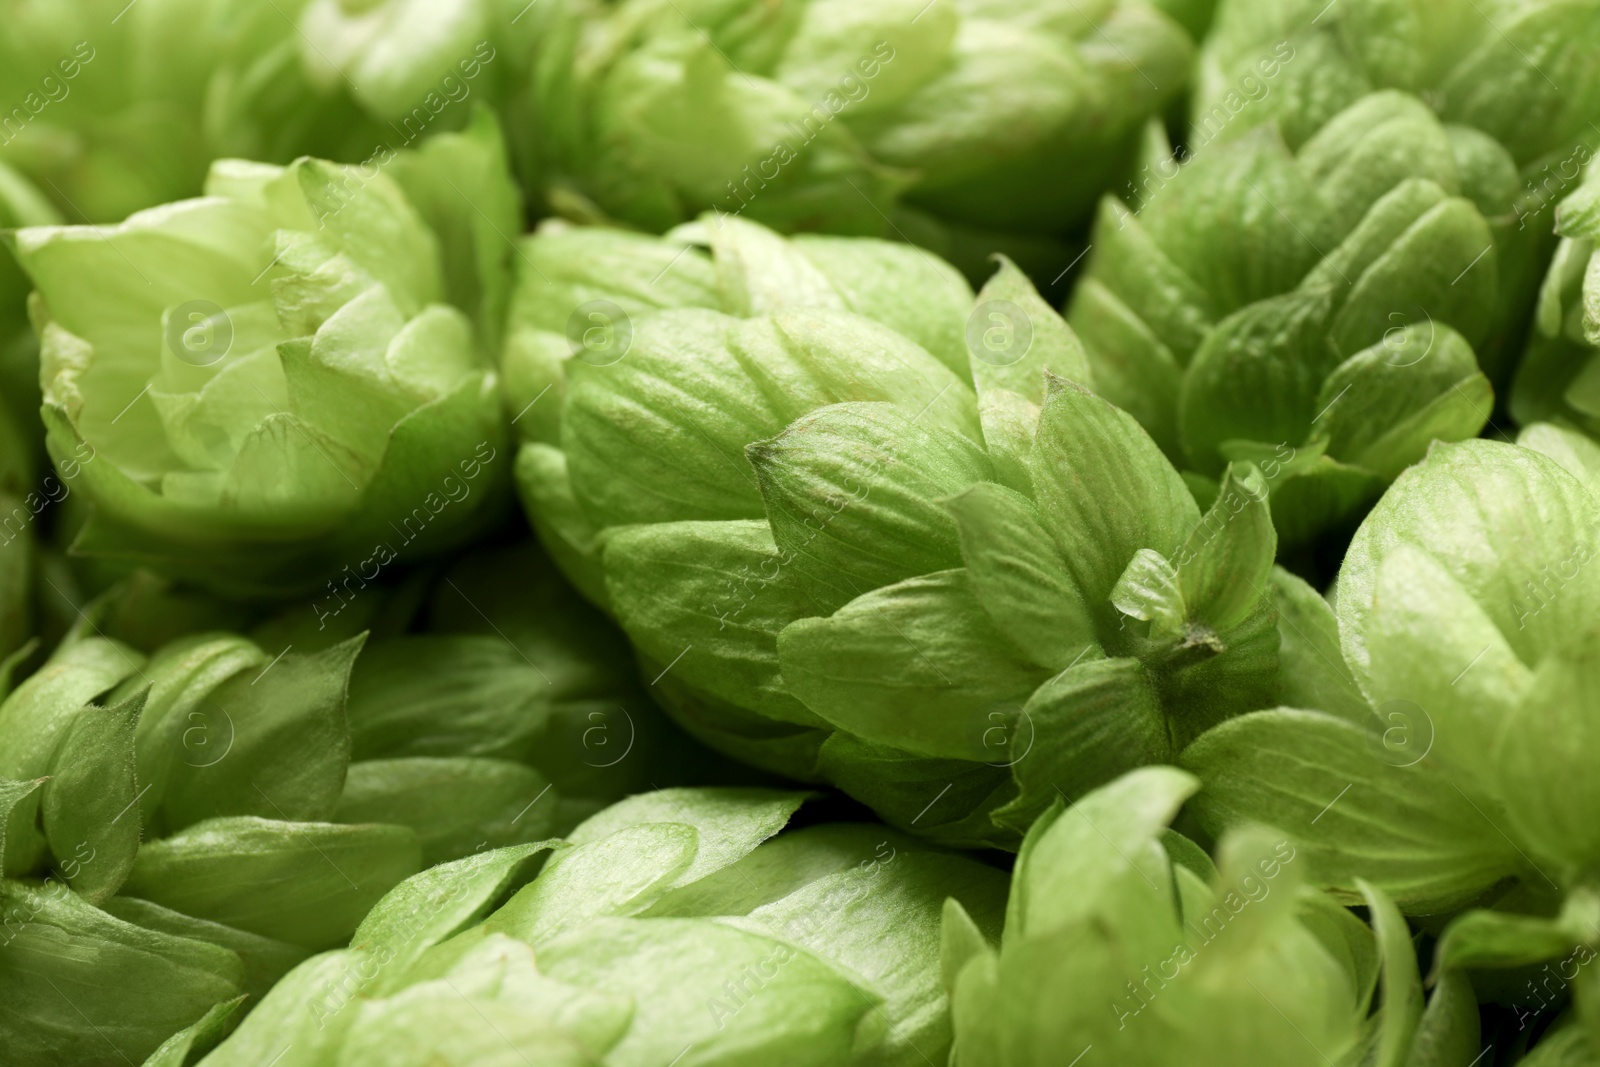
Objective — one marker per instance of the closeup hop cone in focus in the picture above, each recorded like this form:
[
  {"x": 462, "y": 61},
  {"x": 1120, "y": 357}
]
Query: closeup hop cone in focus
[
  {"x": 865, "y": 527},
  {"x": 672, "y": 924},
  {"x": 964, "y": 127},
  {"x": 289, "y": 375},
  {"x": 1121, "y": 936},
  {"x": 1347, "y": 254},
  {"x": 186, "y": 818}
]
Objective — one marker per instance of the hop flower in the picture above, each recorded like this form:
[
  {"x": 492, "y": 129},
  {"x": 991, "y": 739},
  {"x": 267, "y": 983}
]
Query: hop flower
[
  {"x": 114, "y": 108},
  {"x": 1352, "y": 231},
  {"x": 283, "y": 377},
  {"x": 1454, "y": 741},
  {"x": 194, "y": 811},
  {"x": 1330, "y": 336},
  {"x": 861, "y": 529}
]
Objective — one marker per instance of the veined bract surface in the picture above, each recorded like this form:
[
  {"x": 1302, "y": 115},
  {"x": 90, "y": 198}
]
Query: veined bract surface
[{"x": 867, "y": 528}]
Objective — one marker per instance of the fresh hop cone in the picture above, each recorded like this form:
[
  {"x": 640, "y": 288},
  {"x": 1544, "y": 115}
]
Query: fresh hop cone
[
  {"x": 1004, "y": 120},
  {"x": 1447, "y": 766},
  {"x": 1457, "y": 742},
  {"x": 865, "y": 528},
  {"x": 1356, "y": 224},
  {"x": 289, "y": 375},
  {"x": 1125, "y": 944},
  {"x": 672, "y": 921}
]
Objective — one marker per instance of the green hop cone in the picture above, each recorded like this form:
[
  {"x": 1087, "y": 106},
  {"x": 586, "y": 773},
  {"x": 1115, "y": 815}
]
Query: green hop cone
[
  {"x": 1124, "y": 944},
  {"x": 859, "y": 530},
  {"x": 114, "y": 108},
  {"x": 1330, "y": 335},
  {"x": 672, "y": 921},
  {"x": 1448, "y": 764},
  {"x": 286, "y": 376},
  {"x": 1559, "y": 378},
  {"x": 1520, "y": 74},
  {"x": 1459, "y": 774},
  {"x": 1363, "y": 205},
  {"x": 996, "y": 124}
]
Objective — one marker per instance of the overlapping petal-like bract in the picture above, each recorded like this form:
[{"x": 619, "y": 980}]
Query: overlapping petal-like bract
[
  {"x": 864, "y": 528},
  {"x": 992, "y": 124},
  {"x": 287, "y": 376},
  {"x": 672, "y": 922},
  {"x": 1124, "y": 942}
]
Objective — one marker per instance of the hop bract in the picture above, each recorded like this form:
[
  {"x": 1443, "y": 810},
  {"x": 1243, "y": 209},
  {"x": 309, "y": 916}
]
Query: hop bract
[
  {"x": 867, "y": 528},
  {"x": 263, "y": 385}
]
